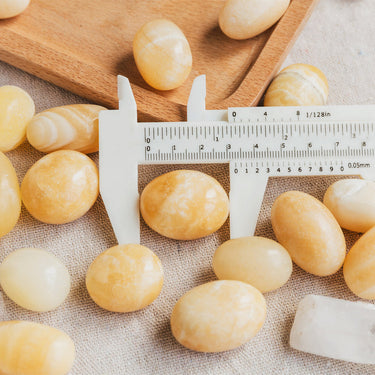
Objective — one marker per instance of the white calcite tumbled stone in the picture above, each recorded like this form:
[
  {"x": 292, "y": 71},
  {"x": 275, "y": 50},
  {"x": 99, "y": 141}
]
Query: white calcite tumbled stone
[{"x": 335, "y": 328}]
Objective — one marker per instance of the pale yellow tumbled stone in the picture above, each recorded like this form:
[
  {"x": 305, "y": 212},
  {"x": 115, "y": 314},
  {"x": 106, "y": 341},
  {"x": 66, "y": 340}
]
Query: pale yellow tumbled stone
[
  {"x": 10, "y": 197},
  {"x": 12, "y": 8},
  {"x": 16, "y": 110},
  {"x": 162, "y": 54},
  {"x": 184, "y": 205},
  {"x": 258, "y": 261},
  {"x": 297, "y": 84},
  {"x": 34, "y": 279},
  {"x": 309, "y": 232},
  {"x": 218, "y": 316},
  {"x": 125, "y": 278},
  {"x": 28, "y": 348},
  {"x": 70, "y": 127},
  {"x": 243, "y": 19},
  {"x": 359, "y": 266},
  {"x": 60, "y": 187},
  {"x": 352, "y": 202}
]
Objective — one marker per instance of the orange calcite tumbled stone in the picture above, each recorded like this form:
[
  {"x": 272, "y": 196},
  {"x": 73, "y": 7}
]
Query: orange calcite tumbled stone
[
  {"x": 60, "y": 187},
  {"x": 125, "y": 278},
  {"x": 218, "y": 316},
  {"x": 10, "y": 198},
  {"x": 309, "y": 232},
  {"x": 184, "y": 205}
]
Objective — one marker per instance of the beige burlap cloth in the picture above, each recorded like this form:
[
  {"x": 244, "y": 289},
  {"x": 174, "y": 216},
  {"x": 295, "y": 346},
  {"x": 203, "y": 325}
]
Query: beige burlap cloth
[{"x": 340, "y": 39}]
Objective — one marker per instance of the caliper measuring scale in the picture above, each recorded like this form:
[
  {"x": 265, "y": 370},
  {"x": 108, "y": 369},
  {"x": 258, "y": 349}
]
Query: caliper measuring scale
[{"x": 257, "y": 142}]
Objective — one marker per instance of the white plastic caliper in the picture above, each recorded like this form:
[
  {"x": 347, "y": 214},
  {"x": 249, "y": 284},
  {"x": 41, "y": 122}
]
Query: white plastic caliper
[{"x": 257, "y": 142}]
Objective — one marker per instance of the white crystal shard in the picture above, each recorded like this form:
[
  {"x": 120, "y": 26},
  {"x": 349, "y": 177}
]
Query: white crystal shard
[{"x": 335, "y": 328}]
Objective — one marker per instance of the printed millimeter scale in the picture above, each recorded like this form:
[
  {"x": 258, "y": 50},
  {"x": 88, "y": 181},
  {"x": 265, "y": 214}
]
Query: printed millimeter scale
[{"x": 257, "y": 142}]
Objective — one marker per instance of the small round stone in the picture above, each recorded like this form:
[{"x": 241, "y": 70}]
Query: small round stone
[
  {"x": 359, "y": 266},
  {"x": 309, "y": 232},
  {"x": 352, "y": 203},
  {"x": 218, "y": 316},
  {"x": 162, "y": 54},
  {"x": 10, "y": 197},
  {"x": 60, "y": 187},
  {"x": 184, "y": 205},
  {"x": 34, "y": 279},
  {"x": 16, "y": 110},
  {"x": 258, "y": 261},
  {"x": 125, "y": 278},
  {"x": 243, "y": 19},
  {"x": 12, "y": 8},
  {"x": 298, "y": 85}
]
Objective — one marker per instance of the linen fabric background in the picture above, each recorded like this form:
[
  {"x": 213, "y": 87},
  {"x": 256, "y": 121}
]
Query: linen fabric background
[{"x": 339, "y": 39}]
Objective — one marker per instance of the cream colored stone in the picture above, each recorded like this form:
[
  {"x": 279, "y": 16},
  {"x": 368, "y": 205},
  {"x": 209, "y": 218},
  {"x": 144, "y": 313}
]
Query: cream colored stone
[
  {"x": 60, "y": 187},
  {"x": 12, "y": 8},
  {"x": 184, "y": 205},
  {"x": 297, "y": 84},
  {"x": 10, "y": 197},
  {"x": 28, "y": 348},
  {"x": 34, "y": 279},
  {"x": 70, "y": 127},
  {"x": 16, "y": 110},
  {"x": 309, "y": 231},
  {"x": 218, "y": 316},
  {"x": 352, "y": 202},
  {"x": 258, "y": 261},
  {"x": 162, "y": 54},
  {"x": 359, "y": 266},
  {"x": 243, "y": 19},
  {"x": 125, "y": 278}
]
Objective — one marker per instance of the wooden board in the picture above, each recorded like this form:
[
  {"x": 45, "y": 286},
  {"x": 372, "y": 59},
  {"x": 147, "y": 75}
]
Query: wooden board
[{"x": 82, "y": 45}]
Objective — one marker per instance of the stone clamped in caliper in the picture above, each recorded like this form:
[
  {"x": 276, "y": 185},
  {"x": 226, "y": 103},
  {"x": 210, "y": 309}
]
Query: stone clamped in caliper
[{"x": 257, "y": 142}]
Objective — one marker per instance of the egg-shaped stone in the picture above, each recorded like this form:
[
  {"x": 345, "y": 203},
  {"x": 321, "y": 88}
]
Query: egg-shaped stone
[
  {"x": 60, "y": 187},
  {"x": 184, "y": 205},
  {"x": 296, "y": 85},
  {"x": 16, "y": 110},
  {"x": 28, "y": 348},
  {"x": 243, "y": 19},
  {"x": 34, "y": 279},
  {"x": 309, "y": 232},
  {"x": 69, "y": 127},
  {"x": 352, "y": 202},
  {"x": 125, "y": 278},
  {"x": 218, "y": 316},
  {"x": 162, "y": 54},
  {"x": 258, "y": 261},
  {"x": 10, "y": 197},
  {"x": 12, "y": 8},
  {"x": 359, "y": 266}
]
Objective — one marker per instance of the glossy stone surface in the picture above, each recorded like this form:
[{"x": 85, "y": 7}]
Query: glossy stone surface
[
  {"x": 243, "y": 19},
  {"x": 162, "y": 54},
  {"x": 309, "y": 231},
  {"x": 335, "y": 328},
  {"x": 352, "y": 203},
  {"x": 60, "y": 187},
  {"x": 125, "y": 278},
  {"x": 12, "y": 8},
  {"x": 16, "y": 110},
  {"x": 10, "y": 197},
  {"x": 34, "y": 279},
  {"x": 28, "y": 348},
  {"x": 297, "y": 84},
  {"x": 70, "y": 127},
  {"x": 184, "y": 205},
  {"x": 258, "y": 261},
  {"x": 218, "y": 316},
  {"x": 359, "y": 266}
]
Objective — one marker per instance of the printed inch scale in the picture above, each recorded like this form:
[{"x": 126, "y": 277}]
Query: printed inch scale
[{"x": 257, "y": 142}]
